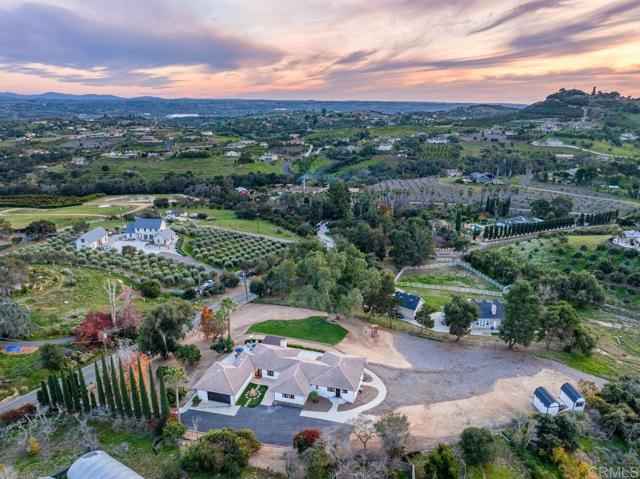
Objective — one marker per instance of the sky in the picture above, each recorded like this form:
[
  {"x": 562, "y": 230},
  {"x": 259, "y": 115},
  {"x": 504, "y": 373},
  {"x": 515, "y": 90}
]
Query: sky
[{"x": 416, "y": 50}]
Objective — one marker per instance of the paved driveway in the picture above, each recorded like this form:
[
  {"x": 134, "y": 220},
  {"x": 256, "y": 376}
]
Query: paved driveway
[{"x": 272, "y": 425}]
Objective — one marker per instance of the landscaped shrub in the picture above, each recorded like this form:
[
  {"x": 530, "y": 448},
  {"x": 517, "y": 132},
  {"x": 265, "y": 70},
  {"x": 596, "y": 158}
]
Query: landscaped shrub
[
  {"x": 305, "y": 439},
  {"x": 173, "y": 430},
  {"x": 220, "y": 451},
  {"x": 223, "y": 345},
  {"x": 188, "y": 353}
]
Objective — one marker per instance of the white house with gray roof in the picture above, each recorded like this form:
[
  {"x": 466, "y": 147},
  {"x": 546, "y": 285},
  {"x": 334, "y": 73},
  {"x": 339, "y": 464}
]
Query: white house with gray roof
[
  {"x": 290, "y": 374},
  {"x": 92, "y": 239}
]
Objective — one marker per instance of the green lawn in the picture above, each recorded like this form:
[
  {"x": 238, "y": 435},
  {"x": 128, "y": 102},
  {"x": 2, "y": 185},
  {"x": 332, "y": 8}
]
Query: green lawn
[
  {"x": 227, "y": 219},
  {"x": 314, "y": 328},
  {"x": 62, "y": 217},
  {"x": 438, "y": 298},
  {"x": 22, "y": 371},
  {"x": 445, "y": 276},
  {"x": 248, "y": 401}
]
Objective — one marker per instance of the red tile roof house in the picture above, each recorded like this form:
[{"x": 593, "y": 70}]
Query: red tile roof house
[{"x": 290, "y": 374}]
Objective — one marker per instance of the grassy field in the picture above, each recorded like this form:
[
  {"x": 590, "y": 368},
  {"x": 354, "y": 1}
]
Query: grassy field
[
  {"x": 227, "y": 219},
  {"x": 59, "y": 300},
  {"x": 62, "y": 217},
  {"x": 457, "y": 277},
  {"x": 363, "y": 165},
  {"x": 152, "y": 169},
  {"x": 438, "y": 298},
  {"x": 22, "y": 371},
  {"x": 314, "y": 328}
]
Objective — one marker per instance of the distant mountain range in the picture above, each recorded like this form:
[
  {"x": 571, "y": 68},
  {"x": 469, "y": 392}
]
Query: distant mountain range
[{"x": 13, "y": 105}]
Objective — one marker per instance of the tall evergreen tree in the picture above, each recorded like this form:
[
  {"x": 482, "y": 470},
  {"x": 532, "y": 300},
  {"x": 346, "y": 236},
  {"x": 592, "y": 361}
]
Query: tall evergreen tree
[
  {"x": 57, "y": 387},
  {"x": 75, "y": 392},
  {"x": 66, "y": 394},
  {"x": 101, "y": 397},
  {"x": 164, "y": 401},
  {"x": 53, "y": 392},
  {"x": 83, "y": 391},
  {"x": 92, "y": 400},
  {"x": 44, "y": 393},
  {"x": 144, "y": 398},
  {"x": 108, "y": 390},
  {"x": 154, "y": 394},
  {"x": 126, "y": 398},
  {"x": 135, "y": 396},
  {"x": 116, "y": 389}
]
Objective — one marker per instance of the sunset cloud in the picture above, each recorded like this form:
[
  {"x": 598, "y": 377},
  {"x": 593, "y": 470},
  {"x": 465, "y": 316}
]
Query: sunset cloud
[{"x": 464, "y": 50}]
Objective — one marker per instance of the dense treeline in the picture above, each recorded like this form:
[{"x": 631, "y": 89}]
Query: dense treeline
[
  {"x": 496, "y": 232},
  {"x": 45, "y": 201}
]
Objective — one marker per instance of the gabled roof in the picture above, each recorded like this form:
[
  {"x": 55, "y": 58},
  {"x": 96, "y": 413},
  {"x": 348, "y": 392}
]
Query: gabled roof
[
  {"x": 632, "y": 234},
  {"x": 293, "y": 381},
  {"x": 130, "y": 228},
  {"x": 94, "y": 235},
  {"x": 167, "y": 233},
  {"x": 272, "y": 340},
  {"x": 407, "y": 300},
  {"x": 545, "y": 396},
  {"x": 273, "y": 358},
  {"x": 148, "y": 223},
  {"x": 571, "y": 392}
]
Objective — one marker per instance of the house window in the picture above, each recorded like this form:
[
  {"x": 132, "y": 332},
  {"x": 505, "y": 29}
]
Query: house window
[
  {"x": 269, "y": 372},
  {"x": 317, "y": 387},
  {"x": 288, "y": 396},
  {"x": 331, "y": 390},
  {"x": 344, "y": 391}
]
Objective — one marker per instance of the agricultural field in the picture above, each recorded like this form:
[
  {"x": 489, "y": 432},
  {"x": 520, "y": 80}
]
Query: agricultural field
[
  {"x": 137, "y": 266},
  {"x": 153, "y": 169},
  {"x": 612, "y": 265},
  {"x": 58, "y": 297},
  {"x": 228, "y": 219},
  {"x": 227, "y": 249}
]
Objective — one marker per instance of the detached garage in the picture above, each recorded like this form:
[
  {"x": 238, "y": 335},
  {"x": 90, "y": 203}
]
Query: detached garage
[{"x": 224, "y": 381}]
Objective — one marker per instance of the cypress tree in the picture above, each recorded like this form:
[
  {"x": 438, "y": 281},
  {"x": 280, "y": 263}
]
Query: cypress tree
[
  {"x": 46, "y": 401},
  {"x": 66, "y": 394},
  {"x": 108, "y": 391},
  {"x": 116, "y": 389},
  {"x": 40, "y": 397},
  {"x": 92, "y": 400},
  {"x": 144, "y": 399},
  {"x": 135, "y": 397},
  {"x": 154, "y": 394},
  {"x": 53, "y": 391},
  {"x": 58, "y": 389},
  {"x": 101, "y": 398},
  {"x": 83, "y": 391},
  {"x": 126, "y": 398},
  {"x": 75, "y": 393},
  {"x": 164, "y": 401}
]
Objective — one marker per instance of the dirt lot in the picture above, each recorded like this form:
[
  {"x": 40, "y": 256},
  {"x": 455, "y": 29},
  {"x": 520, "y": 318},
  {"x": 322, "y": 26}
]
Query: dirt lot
[{"x": 444, "y": 386}]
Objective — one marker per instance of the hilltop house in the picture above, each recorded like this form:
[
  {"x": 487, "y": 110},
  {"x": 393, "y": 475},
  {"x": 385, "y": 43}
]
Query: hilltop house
[
  {"x": 491, "y": 313},
  {"x": 150, "y": 229},
  {"x": 290, "y": 374},
  {"x": 628, "y": 239},
  {"x": 408, "y": 304},
  {"x": 92, "y": 239}
]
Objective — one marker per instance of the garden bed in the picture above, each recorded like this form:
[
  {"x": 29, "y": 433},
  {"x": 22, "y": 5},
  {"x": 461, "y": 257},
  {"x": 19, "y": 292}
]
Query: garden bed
[{"x": 247, "y": 399}]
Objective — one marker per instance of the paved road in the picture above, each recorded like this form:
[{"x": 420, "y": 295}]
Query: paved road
[
  {"x": 271, "y": 425},
  {"x": 89, "y": 377},
  {"x": 239, "y": 298},
  {"x": 323, "y": 234}
]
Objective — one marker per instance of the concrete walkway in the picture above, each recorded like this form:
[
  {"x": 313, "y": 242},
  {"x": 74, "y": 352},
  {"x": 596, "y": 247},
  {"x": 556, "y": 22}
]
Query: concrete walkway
[{"x": 334, "y": 415}]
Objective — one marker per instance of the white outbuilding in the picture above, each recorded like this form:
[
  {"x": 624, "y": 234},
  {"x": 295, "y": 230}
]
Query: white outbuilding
[
  {"x": 100, "y": 465},
  {"x": 572, "y": 398},
  {"x": 92, "y": 239},
  {"x": 544, "y": 402}
]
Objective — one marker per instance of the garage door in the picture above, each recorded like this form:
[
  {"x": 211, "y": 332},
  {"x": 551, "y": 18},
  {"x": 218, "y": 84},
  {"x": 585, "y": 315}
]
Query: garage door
[{"x": 218, "y": 397}]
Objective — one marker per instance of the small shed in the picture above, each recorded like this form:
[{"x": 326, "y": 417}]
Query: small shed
[
  {"x": 100, "y": 465},
  {"x": 572, "y": 398},
  {"x": 544, "y": 402}
]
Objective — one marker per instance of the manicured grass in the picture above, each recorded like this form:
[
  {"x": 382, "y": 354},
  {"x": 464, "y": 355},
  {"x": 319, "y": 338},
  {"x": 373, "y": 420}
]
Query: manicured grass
[
  {"x": 438, "y": 298},
  {"x": 448, "y": 277},
  {"x": 248, "y": 401},
  {"x": 314, "y": 328}
]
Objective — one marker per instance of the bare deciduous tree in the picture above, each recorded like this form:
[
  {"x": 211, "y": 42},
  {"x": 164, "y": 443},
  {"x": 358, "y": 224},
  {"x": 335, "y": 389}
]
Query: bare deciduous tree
[
  {"x": 363, "y": 428},
  {"x": 111, "y": 287},
  {"x": 87, "y": 435}
]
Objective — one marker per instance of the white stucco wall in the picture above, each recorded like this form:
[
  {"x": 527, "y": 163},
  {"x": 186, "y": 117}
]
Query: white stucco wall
[
  {"x": 264, "y": 374},
  {"x": 349, "y": 396},
  {"x": 298, "y": 400}
]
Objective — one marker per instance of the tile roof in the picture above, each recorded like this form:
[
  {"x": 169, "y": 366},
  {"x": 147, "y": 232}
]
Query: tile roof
[
  {"x": 226, "y": 378},
  {"x": 292, "y": 381}
]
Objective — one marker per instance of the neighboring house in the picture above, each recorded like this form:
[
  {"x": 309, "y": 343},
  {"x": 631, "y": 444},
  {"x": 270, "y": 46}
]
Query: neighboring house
[
  {"x": 544, "y": 402},
  {"x": 92, "y": 239},
  {"x": 518, "y": 220},
  {"x": 144, "y": 229},
  {"x": 572, "y": 398},
  {"x": 166, "y": 237},
  {"x": 491, "y": 313},
  {"x": 290, "y": 374},
  {"x": 628, "y": 239},
  {"x": 408, "y": 304},
  {"x": 268, "y": 158},
  {"x": 483, "y": 178}
]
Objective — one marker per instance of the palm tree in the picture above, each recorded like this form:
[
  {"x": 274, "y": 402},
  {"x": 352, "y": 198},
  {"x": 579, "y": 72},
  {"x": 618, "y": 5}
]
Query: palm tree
[
  {"x": 227, "y": 306},
  {"x": 175, "y": 376}
]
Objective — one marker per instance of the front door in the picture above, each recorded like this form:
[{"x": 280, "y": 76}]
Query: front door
[
  {"x": 338, "y": 392},
  {"x": 258, "y": 373}
]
